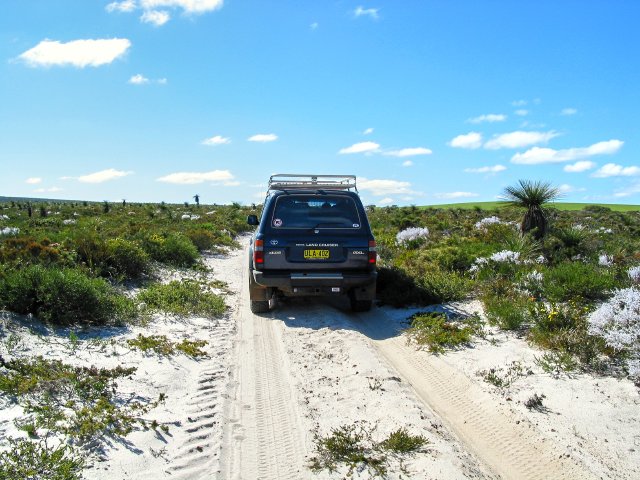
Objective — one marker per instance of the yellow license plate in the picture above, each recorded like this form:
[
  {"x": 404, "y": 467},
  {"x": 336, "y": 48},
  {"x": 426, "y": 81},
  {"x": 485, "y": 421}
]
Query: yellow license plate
[{"x": 316, "y": 254}]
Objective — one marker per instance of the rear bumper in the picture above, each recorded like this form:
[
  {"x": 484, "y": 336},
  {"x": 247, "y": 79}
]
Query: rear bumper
[{"x": 312, "y": 283}]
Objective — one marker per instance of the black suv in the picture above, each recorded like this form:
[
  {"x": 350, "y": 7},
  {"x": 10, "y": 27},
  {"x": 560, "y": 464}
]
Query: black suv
[{"x": 313, "y": 239}]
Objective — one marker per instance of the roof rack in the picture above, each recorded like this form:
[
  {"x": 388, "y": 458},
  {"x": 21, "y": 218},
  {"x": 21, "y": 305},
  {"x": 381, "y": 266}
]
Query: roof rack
[{"x": 285, "y": 181}]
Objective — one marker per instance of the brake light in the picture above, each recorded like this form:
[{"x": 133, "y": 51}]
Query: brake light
[
  {"x": 258, "y": 252},
  {"x": 373, "y": 253}
]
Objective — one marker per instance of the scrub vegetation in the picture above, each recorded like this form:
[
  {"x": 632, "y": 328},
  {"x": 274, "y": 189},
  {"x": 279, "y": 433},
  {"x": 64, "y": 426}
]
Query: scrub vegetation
[
  {"x": 354, "y": 447},
  {"x": 85, "y": 265},
  {"x": 571, "y": 286}
]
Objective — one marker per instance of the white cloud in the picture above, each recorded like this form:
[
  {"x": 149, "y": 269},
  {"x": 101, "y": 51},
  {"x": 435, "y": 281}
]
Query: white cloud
[
  {"x": 314, "y": 26},
  {"x": 407, "y": 163},
  {"x": 568, "y": 111},
  {"x": 263, "y": 137},
  {"x": 190, "y": 178},
  {"x": 385, "y": 201},
  {"x": 614, "y": 170},
  {"x": 78, "y": 53},
  {"x": 454, "y": 195},
  {"x": 470, "y": 140},
  {"x": 103, "y": 176},
  {"x": 580, "y": 166},
  {"x": 33, "y": 180},
  {"x": 368, "y": 131},
  {"x": 385, "y": 187},
  {"x": 362, "y": 147},
  {"x": 217, "y": 140},
  {"x": 155, "y": 17},
  {"x": 519, "y": 103},
  {"x": 48, "y": 190},
  {"x": 409, "y": 152},
  {"x": 522, "y": 112},
  {"x": 566, "y": 188},
  {"x": 370, "y": 12},
  {"x": 489, "y": 118},
  {"x": 537, "y": 155},
  {"x": 628, "y": 191},
  {"x": 519, "y": 139},
  {"x": 493, "y": 169},
  {"x": 124, "y": 6},
  {"x": 138, "y": 79},
  {"x": 189, "y": 6}
]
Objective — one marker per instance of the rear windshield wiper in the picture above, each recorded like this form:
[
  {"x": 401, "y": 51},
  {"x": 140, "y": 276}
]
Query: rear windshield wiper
[{"x": 326, "y": 224}]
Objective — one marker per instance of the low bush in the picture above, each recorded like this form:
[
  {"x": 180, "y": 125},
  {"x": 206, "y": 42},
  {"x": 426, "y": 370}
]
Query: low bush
[
  {"x": 503, "y": 378},
  {"x": 26, "y": 459},
  {"x": 202, "y": 239},
  {"x": 64, "y": 297},
  {"x": 172, "y": 249},
  {"x": 577, "y": 280},
  {"x": 186, "y": 297},
  {"x": 437, "y": 333},
  {"x": 399, "y": 288},
  {"x": 442, "y": 286},
  {"x": 161, "y": 345},
  {"x": 563, "y": 329},
  {"x": 79, "y": 402},
  {"x": 26, "y": 250},
  {"x": 509, "y": 312},
  {"x": 617, "y": 322},
  {"x": 126, "y": 259},
  {"x": 354, "y": 447}
]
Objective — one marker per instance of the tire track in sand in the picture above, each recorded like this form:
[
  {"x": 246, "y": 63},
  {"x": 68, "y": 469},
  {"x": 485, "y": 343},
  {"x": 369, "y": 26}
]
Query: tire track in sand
[
  {"x": 263, "y": 437},
  {"x": 513, "y": 450}
]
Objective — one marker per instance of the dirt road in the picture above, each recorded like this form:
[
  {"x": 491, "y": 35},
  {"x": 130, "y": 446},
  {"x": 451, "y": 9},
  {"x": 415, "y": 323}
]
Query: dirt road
[{"x": 310, "y": 366}]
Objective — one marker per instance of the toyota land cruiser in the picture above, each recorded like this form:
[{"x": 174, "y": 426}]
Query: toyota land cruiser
[{"x": 313, "y": 238}]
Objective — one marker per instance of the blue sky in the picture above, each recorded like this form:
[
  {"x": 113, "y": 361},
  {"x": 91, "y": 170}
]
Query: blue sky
[{"x": 425, "y": 101}]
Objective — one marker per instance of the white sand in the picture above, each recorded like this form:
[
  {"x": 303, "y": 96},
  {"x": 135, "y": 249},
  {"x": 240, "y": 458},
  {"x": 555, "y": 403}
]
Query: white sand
[{"x": 272, "y": 382}]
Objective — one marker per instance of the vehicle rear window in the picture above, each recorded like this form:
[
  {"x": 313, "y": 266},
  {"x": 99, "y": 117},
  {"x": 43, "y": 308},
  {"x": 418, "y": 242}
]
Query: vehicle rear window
[{"x": 312, "y": 211}]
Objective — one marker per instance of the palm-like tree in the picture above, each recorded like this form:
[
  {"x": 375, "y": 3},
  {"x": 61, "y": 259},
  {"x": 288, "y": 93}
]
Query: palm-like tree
[{"x": 532, "y": 196}]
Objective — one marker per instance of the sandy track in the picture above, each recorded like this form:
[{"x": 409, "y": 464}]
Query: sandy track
[
  {"x": 263, "y": 438},
  {"x": 310, "y": 366},
  {"x": 513, "y": 450}
]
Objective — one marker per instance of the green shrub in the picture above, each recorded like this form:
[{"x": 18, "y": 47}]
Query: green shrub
[
  {"x": 64, "y": 297},
  {"x": 186, "y": 297},
  {"x": 202, "y": 239},
  {"x": 399, "y": 288},
  {"x": 441, "y": 286},
  {"x": 577, "y": 280},
  {"x": 26, "y": 459},
  {"x": 90, "y": 248},
  {"x": 402, "y": 441},
  {"x": 507, "y": 312},
  {"x": 437, "y": 333},
  {"x": 79, "y": 402},
  {"x": 172, "y": 249},
  {"x": 26, "y": 250},
  {"x": 161, "y": 345},
  {"x": 126, "y": 258},
  {"x": 354, "y": 447},
  {"x": 563, "y": 329}
]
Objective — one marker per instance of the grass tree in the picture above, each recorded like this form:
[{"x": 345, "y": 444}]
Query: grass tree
[{"x": 532, "y": 196}]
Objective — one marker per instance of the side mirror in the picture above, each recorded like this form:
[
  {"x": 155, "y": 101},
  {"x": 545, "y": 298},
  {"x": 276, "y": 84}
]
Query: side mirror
[{"x": 253, "y": 220}]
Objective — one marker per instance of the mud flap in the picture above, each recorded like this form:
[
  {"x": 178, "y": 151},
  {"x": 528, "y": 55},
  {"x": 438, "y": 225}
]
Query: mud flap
[{"x": 258, "y": 293}]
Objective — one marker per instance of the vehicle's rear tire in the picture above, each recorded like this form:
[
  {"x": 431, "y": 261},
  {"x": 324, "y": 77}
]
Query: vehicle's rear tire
[
  {"x": 258, "y": 306},
  {"x": 360, "y": 305}
]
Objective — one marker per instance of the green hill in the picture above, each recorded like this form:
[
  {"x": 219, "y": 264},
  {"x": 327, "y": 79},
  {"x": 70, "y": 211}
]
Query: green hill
[{"x": 559, "y": 205}]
